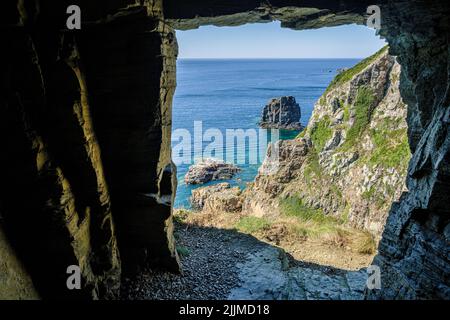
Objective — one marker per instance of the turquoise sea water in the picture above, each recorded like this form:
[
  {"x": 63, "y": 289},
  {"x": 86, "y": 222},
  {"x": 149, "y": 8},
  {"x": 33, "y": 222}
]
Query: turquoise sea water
[{"x": 230, "y": 94}]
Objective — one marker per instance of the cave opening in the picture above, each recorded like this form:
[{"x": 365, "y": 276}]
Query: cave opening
[
  {"x": 337, "y": 100},
  {"x": 119, "y": 73},
  {"x": 404, "y": 252}
]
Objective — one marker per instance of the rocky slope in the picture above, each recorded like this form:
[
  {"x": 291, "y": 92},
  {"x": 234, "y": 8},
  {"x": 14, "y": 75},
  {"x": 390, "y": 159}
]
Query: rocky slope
[
  {"x": 219, "y": 197},
  {"x": 15, "y": 283},
  {"x": 225, "y": 264},
  {"x": 351, "y": 160}
]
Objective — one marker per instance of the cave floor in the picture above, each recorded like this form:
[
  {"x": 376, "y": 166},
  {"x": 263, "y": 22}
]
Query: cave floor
[{"x": 226, "y": 264}]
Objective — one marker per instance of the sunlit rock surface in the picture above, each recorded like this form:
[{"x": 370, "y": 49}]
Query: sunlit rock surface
[{"x": 217, "y": 198}]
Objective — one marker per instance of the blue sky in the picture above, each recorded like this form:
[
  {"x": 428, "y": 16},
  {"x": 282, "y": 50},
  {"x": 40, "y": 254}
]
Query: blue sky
[{"x": 269, "y": 40}]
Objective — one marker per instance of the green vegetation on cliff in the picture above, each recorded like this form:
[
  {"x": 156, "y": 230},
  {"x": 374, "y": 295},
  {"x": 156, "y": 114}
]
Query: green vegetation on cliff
[
  {"x": 312, "y": 168},
  {"x": 363, "y": 125},
  {"x": 321, "y": 133},
  {"x": 362, "y": 109},
  {"x": 294, "y": 207},
  {"x": 391, "y": 147},
  {"x": 347, "y": 75}
]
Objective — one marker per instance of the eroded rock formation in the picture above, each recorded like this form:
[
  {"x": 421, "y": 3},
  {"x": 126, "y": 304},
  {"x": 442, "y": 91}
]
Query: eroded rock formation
[
  {"x": 86, "y": 119},
  {"x": 281, "y": 113}
]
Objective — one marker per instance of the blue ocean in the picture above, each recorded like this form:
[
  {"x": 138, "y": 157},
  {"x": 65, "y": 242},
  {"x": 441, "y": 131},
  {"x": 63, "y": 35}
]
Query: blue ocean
[{"x": 230, "y": 94}]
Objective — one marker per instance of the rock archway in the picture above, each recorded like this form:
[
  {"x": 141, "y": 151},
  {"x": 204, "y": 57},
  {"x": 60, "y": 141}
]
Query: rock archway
[{"x": 86, "y": 168}]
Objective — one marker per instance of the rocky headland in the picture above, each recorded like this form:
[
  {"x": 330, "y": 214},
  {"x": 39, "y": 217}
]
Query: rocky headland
[
  {"x": 210, "y": 170},
  {"x": 351, "y": 160},
  {"x": 281, "y": 113}
]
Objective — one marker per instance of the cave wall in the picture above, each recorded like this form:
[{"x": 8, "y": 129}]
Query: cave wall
[
  {"x": 86, "y": 173},
  {"x": 15, "y": 282},
  {"x": 86, "y": 127},
  {"x": 414, "y": 253},
  {"x": 129, "y": 64},
  {"x": 309, "y": 14}
]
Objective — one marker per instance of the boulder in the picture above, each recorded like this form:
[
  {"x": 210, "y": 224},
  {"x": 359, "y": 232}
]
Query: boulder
[
  {"x": 200, "y": 195},
  {"x": 281, "y": 113},
  {"x": 209, "y": 170},
  {"x": 217, "y": 198}
]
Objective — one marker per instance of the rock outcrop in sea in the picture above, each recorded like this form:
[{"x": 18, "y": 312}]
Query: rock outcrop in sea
[
  {"x": 210, "y": 170},
  {"x": 281, "y": 113}
]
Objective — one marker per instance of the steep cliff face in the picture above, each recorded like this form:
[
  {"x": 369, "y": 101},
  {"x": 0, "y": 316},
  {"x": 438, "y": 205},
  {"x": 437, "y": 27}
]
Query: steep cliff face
[
  {"x": 86, "y": 117},
  {"x": 351, "y": 159},
  {"x": 414, "y": 250}
]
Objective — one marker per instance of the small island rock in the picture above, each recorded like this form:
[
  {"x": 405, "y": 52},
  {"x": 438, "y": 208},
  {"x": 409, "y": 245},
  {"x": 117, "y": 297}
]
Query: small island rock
[{"x": 281, "y": 113}]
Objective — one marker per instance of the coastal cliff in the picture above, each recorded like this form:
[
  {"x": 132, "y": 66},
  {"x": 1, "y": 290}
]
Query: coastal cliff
[{"x": 351, "y": 160}]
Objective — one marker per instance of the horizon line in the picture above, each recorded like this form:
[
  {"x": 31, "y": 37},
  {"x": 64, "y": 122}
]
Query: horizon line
[{"x": 265, "y": 58}]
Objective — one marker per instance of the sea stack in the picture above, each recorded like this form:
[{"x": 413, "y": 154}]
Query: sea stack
[{"x": 281, "y": 113}]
